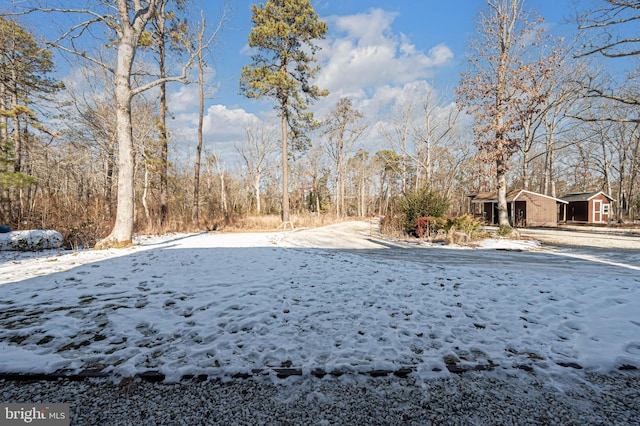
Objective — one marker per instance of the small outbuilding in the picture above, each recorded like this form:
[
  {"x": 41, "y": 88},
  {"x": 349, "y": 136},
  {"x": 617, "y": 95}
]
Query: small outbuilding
[
  {"x": 587, "y": 207},
  {"x": 525, "y": 208}
]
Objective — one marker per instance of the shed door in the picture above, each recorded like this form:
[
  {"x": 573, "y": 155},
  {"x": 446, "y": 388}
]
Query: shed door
[{"x": 597, "y": 211}]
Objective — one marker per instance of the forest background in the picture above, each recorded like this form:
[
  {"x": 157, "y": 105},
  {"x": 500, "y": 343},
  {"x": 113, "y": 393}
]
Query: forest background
[{"x": 399, "y": 118}]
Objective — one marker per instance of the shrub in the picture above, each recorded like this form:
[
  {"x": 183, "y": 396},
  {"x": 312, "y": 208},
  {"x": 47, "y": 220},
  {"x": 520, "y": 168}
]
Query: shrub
[
  {"x": 453, "y": 230},
  {"x": 84, "y": 235},
  {"x": 466, "y": 224},
  {"x": 421, "y": 203},
  {"x": 428, "y": 225},
  {"x": 504, "y": 230},
  {"x": 392, "y": 225}
]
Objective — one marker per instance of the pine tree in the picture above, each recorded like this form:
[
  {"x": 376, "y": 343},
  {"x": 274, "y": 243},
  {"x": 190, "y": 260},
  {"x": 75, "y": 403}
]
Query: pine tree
[
  {"x": 282, "y": 68},
  {"x": 24, "y": 69}
]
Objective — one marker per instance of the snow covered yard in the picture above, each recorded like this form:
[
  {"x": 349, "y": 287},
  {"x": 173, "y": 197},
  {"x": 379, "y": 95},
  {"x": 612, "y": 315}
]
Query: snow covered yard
[{"x": 332, "y": 299}]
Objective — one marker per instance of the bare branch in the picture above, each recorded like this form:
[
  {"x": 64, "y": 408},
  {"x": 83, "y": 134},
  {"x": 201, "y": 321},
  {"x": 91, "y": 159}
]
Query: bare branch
[
  {"x": 595, "y": 92},
  {"x": 610, "y": 22},
  {"x": 75, "y": 31},
  {"x": 607, "y": 23},
  {"x": 604, "y": 119},
  {"x": 82, "y": 55},
  {"x": 604, "y": 50}
]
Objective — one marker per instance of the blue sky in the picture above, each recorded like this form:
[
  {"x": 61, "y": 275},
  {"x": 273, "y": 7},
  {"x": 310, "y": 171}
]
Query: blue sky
[
  {"x": 375, "y": 51},
  {"x": 424, "y": 25}
]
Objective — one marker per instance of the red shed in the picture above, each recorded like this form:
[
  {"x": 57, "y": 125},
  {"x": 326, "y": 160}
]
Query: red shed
[{"x": 587, "y": 207}]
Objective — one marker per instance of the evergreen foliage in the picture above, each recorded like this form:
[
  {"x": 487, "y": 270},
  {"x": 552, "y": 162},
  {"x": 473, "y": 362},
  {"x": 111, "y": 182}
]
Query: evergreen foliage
[
  {"x": 282, "y": 68},
  {"x": 421, "y": 203}
]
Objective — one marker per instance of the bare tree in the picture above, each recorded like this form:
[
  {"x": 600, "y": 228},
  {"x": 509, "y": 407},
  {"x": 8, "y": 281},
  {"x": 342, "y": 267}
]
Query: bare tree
[
  {"x": 195, "y": 217},
  {"x": 145, "y": 136},
  {"x": 434, "y": 125},
  {"x": 611, "y": 30},
  {"x": 489, "y": 89},
  {"x": 361, "y": 168},
  {"x": 124, "y": 22},
  {"x": 559, "y": 126},
  {"x": 343, "y": 128},
  {"x": 215, "y": 166},
  {"x": 613, "y": 148},
  {"x": 391, "y": 169},
  {"x": 398, "y": 133},
  {"x": 535, "y": 85},
  {"x": 167, "y": 32},
  {"x": 315, "y": 178},
  {"x": 199, "y": 47},
  {"x": 257, "y": 154},
  {"x": 90, "y": 125}
]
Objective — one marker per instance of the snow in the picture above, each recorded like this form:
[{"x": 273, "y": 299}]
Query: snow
[
  {"x": 35, "y": 239},
  {"x": 337, "y": 298}
]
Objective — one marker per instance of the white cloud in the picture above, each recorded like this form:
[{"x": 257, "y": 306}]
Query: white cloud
[
  {"x": 369, "y": 28},
  {"x": 223, "y": 127},
  {"x": 362, "y": 58},
  {"x": 365, "y": 54},
  {"x": 222, "y": 122},
  {"x": 185, "y": 99}
]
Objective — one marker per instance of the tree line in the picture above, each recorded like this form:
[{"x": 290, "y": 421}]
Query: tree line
[{"x": 92, "y": 157}]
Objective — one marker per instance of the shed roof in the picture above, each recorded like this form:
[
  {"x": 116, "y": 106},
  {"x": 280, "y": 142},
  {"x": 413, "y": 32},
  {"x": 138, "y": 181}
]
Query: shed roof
[
  {"x": 492, "y": 197},
  {"x": 583, "y": 196}
]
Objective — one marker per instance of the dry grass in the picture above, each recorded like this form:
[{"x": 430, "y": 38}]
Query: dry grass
[
  {"x": 259, "y": 223},
  {"x": 83, "y": 225}
]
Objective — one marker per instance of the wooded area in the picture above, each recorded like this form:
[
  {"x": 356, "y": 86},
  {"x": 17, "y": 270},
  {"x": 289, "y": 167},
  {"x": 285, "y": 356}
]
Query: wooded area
[{"x": 90, "y": 159}]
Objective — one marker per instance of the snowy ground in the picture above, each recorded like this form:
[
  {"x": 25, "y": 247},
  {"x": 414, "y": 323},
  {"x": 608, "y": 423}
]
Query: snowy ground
[{"x": 336, "y": 299}]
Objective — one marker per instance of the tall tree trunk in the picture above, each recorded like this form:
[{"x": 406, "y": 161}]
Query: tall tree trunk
[
  {"x": 145, "y": 192},
  {"x": 17, "y": 143},
  {"x": 501, "y": 178},
  {"x": 526, "y": 179},
  {"x": 129, "y": 34},
  {"x": 361, "y": 193},
  {"x": 123, "y": 229},
  {"x": 340, "y": 172},
  {"x": 633, "y": 174},
  {"x": 108, "y": 186},
  {"x": 285, "y": 169},
  {"x": 551, "y": 171},
  {"x": 549, "y": 175},
  {"x": 195, "y": 217},
  {"x": 164, "y": 138},
  {"x": 256, "y": 191},
  {"x": 223, "y": 195},
  {"x": 318, "y": 199},
  {"x": 606, "y": 168},
  {"x": 382, "y": 193},
  {"x": 4, "y": 120}
]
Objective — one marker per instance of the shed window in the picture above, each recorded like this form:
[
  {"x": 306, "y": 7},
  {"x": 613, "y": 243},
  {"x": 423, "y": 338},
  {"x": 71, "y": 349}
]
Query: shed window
[{"x": 605, "y": 208}]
